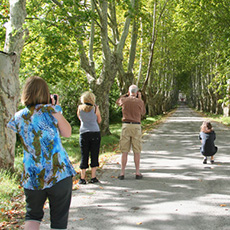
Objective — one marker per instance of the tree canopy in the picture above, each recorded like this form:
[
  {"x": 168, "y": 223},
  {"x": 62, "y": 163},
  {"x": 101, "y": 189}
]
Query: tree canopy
[{"x": 163, "y": 46}]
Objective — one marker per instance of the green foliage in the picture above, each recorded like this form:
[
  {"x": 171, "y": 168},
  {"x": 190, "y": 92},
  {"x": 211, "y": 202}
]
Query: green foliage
[
  {"x": 69, "y": 93},
  {"x": 203, "y": 32},
  {"x": 8, "y": 185},
  {"x": 4, "y": 17}
]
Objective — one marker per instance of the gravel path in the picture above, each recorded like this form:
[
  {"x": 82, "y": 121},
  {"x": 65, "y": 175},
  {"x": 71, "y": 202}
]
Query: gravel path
[{"x": 177, "y": 192}]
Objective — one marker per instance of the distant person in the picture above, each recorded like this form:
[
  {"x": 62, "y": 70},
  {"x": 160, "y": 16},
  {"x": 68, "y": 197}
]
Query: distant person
[
  {"x": 207, "y": 137},
  {"x": 131, "y": 135},
  {"x": 90, "y": 138},
  {"x": 47, "y": 169}
]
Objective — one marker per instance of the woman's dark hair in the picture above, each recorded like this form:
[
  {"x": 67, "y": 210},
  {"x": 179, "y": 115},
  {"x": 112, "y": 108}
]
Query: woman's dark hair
[{"x": 35, "y": 91}]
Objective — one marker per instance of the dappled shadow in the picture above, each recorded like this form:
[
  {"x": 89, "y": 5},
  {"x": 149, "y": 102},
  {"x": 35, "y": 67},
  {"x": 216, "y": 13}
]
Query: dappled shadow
[{"x": 177, "y": 191}]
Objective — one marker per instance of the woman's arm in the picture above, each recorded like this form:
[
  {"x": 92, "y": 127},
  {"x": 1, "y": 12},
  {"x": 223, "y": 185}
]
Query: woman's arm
[
  {"x": 98, "y": 114},
  {"x": 78, "y": 113},
  {"x": 63, "y": 125}
]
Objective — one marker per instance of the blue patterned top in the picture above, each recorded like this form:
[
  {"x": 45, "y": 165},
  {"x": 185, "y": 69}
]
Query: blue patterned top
[{"x": 45, "y": 160}]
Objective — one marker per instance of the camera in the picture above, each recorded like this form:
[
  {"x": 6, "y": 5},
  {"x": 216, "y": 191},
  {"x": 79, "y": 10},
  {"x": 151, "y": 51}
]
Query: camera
[{"x": 55, "y": 99}]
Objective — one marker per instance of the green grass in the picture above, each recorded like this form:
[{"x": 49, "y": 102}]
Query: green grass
[
  {"x": 10, "y": 183},
  {"x": 225, "y": 120},
  {"x": 71, "y": 145},
  {"x": 218, "y": 117},
  {"x": 12, "y": 205},
  {"x": 149, "y": 121},
  {"x": 221, "y": 119}
]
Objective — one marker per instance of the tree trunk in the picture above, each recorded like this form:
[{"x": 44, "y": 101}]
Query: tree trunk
[
  {"x": 101, "y": 85},
  {"x": 9, "y": 89},
  {"x": 126, "y": 78},
  {"x": 14, "y": 31},
  {"x": 9, "y": 82},
  {"x": 153, "y": 42},
  {"x": 101, "y": 90}
]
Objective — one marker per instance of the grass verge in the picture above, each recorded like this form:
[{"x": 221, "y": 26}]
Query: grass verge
[
  {"x": 220, "y": 119},
  {"x": 216, "y": 117}
]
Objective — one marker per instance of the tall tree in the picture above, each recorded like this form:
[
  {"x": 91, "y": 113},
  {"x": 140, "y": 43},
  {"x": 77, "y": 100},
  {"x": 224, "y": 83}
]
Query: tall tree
[
  {"x": 205, "y": 26},
  {"x": 112, "y": 56},
  {"x": 9, "y": 83},
  {"x": 125, "y": 68}
]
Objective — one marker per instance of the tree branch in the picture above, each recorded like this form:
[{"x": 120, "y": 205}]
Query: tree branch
[
  {"x": 57, "y": 3},
  {"x": 124, "y": 35}
]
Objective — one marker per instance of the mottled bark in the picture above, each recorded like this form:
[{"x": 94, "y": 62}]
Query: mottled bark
[
  {"x": 126, "y": 77},
  {"x": 9, "y": 89},
  {"x": 101, "y": 85},
  {"x": 9, "y": 82},
  {"x": 112, "y": 52}
]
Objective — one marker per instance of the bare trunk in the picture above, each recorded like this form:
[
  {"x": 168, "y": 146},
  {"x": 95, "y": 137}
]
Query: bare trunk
[
  {"x": 9, "y": 89},
  {"x": 101, "y": 91},
  {"x": 141, "y": 55},
  {"x": 154, "y": 37},
  {"x": 9, "y": 82},
  {"x": 126, "y": 78},
  {"x": 152, "y": 45}
]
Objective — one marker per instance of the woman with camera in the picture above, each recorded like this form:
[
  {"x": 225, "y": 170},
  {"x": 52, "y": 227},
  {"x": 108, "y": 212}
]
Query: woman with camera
[
  {"x": 47, "y": 169},
  {"x": 90, "y": 138}
]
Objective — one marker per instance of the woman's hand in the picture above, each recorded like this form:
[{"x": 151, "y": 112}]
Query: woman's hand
[{"x": 54, "y": 99}]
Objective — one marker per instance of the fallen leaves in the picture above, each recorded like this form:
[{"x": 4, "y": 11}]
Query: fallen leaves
[
  {"x": 75, "y": 184},
  {"x": 12, "y": 213},
  {"x": 75, "y": 181},
  {"x": 13, "y": 219},
  {"x": 223, "y": 205}
]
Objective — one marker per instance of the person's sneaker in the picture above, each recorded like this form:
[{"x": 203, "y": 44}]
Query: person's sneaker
[
  {"x": 82, "y": 181},
  {"x": 138, "y": 177},
  {"x": 121, "y": 177},
  {"x": 205, "y": 161},
  {"x": 94, "y": 180},
  {"x": 212, "y": 161}
]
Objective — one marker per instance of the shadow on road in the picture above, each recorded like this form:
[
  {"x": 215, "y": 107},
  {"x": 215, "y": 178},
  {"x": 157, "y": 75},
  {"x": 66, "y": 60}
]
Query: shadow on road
[{"x": 177, "y": 192}]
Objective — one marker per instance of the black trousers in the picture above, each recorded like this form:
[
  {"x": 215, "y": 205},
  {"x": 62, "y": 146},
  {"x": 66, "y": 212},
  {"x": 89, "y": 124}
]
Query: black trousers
[
  {"x": 90, "y": 146},
  {"x": 59, "y": 197}
]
